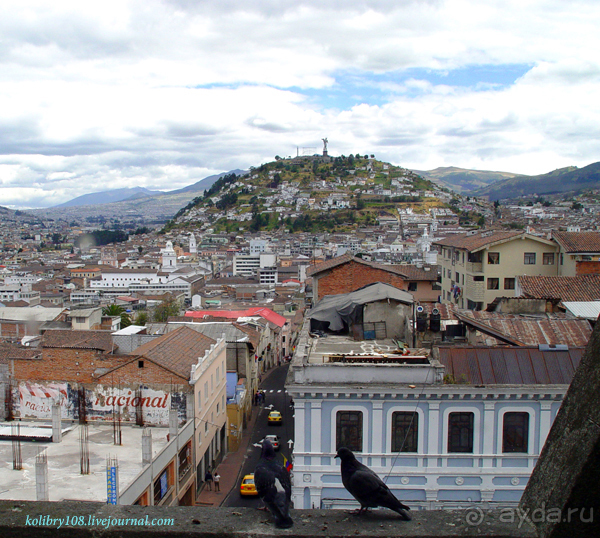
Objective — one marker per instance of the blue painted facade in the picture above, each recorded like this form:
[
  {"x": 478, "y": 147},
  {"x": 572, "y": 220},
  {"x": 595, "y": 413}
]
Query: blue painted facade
[{"x": 432, "y": 477}]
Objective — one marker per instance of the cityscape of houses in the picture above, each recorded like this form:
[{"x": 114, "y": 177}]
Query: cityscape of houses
[{"x": 438, "y": 351}]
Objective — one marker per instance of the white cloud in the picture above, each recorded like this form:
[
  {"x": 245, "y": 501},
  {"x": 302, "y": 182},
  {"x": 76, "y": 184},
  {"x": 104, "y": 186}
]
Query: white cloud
[{"x": 162, "y": 93}]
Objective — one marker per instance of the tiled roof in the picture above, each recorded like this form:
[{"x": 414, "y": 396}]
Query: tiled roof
[
  {"x": 412, "y": 272},
  {"x": 177, "y": 350},
  {"x": 408, "y": 272},
  {"x": 510, "y": 365},
  {"x": 13, "y": 351},
  {"x": 476, "y": 241},
  {"x": 578, "y": 241},
  {"x": 69, "y": 339},
  {"x": 330, "y": 264},
  {"x": 565, "y": 288},
  {"x": 555, "y": 330}
]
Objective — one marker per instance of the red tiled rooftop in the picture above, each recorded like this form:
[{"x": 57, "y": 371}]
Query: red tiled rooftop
[
  {"x": 69, "y": 339},
  {"x": 177, "y": 350},
  {"x": 588, "y": 242},
  {"x": 565, "y": 288},
  {"x": 477, "y": 241}
]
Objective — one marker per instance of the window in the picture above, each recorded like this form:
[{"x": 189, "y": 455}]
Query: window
[
  {"x": 515, "y": 432},
  {"x": 405, "y": 428},
  {"x": 548, "y": 258},
  {"x": 460, "y": 432},
  {"x": 529, "y": 258},
  {"x": 478, "y": 278},
  {"x": 457, "y": 277},
  {"x": 161, "y": 486},
  {"x": 493, "y": 258},
  {"x": 140, "y": 364},
  {"x": 493, "y": 283},
  {"x": 349, "y": 430},
  {"x": 509, "y": 283},
  {"x": 412, "y": 286}
]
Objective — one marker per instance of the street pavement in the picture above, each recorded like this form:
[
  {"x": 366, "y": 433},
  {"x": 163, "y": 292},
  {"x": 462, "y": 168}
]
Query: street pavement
[{"x": 237, "y": 464}]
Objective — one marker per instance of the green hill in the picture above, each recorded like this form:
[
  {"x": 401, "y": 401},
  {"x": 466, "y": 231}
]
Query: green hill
[{"x": 292, "y": 194}]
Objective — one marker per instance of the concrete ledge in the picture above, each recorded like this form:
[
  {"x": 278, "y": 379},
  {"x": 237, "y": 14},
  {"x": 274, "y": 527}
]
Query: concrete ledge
[{"x": 20, "y": 519}]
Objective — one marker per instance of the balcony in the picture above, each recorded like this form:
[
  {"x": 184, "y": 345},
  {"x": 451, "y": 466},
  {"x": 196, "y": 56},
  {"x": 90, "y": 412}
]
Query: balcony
[{"x": 474, "y": 267}]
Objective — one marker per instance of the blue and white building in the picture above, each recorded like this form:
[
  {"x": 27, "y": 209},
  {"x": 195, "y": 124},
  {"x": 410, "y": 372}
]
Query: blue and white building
[{"x": 446, "y": 429}]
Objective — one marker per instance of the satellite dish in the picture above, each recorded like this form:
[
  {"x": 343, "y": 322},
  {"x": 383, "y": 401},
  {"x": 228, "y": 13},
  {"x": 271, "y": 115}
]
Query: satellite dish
[
  {"x": 435, "y": 311},
  {"x": 420, "y": 309}
]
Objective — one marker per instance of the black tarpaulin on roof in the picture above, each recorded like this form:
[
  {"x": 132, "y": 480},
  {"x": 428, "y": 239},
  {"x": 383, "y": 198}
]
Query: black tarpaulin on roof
[{"x": 343, "y": 310}]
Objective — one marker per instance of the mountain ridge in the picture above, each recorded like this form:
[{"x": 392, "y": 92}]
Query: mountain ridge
[{"x": 569, "y": 179}]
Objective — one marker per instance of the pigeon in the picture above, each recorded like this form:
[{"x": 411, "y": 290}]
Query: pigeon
[
  {"x": 366, "y": 487},
  {"x": 274, "y": 486}
]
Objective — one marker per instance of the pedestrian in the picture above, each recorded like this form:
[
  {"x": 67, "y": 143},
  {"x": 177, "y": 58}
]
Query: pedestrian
[
  {"x": 216, "y": 479},
  {"x": 208, "y": 478}
]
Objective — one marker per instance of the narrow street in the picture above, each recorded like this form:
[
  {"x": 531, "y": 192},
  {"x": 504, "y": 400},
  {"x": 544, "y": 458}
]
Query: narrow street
[{"x": 280, "y": 401}]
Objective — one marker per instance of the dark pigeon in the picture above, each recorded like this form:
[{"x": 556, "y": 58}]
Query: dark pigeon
[
  {"x": 366, "y": 487},
  {"x": 274, "y": 486}
]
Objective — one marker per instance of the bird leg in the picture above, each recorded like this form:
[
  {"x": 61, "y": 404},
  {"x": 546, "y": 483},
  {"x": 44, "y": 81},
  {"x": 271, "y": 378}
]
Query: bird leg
[{"x": 358, "y": 511}]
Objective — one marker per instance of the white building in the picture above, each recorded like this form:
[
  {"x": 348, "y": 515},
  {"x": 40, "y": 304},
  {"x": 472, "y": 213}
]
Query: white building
[{"x": 466, "y": 428}]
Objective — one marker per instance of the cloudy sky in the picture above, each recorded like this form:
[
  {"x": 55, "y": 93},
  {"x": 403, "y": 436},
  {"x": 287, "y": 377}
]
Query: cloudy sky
[{"x": 162, "y": 93}]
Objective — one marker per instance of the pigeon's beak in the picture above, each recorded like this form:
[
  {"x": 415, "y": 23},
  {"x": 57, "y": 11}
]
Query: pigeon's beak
[{"x": 336, "y": 456}]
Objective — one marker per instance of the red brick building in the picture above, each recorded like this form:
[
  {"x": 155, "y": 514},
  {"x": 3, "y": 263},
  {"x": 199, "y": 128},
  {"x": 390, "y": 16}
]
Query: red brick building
[{"x": 347, "y": 273}]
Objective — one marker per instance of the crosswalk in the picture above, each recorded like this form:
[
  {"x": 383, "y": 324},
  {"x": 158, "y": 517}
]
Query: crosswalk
[{"x": 273, "y": 390}]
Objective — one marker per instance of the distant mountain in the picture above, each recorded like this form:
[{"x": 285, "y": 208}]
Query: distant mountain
[
  {"x": 463, "y": 180},
  {"x": 563, "y": 180},
  {"x": 109, "y": 197},
  {"x": 138, "y": 205},
  {"x": 207, "y": 182}
]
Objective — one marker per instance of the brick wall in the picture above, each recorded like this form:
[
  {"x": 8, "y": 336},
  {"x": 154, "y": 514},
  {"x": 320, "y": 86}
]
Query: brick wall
[
  {"x": 351, "y": 276},
  {"x": 588, "y": 268},
  {"x": 58, "y": 364},
  {"x": 148, "y": 373}
]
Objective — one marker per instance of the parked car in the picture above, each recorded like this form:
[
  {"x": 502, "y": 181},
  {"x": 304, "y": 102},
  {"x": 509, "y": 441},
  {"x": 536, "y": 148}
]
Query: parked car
[
  {"x": 274, "y": 439},
  {"x": 275, "y": 418},
  {"x": 248, "y": 487}
]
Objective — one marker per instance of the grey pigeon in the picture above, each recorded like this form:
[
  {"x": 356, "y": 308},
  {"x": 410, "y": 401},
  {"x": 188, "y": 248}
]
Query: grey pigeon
[
  {"x": 366, "y": 487},
  {"x": 274, "y": 486}
]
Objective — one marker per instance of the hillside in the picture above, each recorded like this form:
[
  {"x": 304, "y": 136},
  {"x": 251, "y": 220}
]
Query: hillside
[
  {"x": 570, "y": 180},
  {"x": 309, "y": 194},
  {"x": 463, "y": 180},
  {"x": 206, "y": 183}
]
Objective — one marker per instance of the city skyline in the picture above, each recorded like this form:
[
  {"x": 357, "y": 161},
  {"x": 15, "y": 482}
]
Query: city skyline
[{"x": 161, "y": 94}]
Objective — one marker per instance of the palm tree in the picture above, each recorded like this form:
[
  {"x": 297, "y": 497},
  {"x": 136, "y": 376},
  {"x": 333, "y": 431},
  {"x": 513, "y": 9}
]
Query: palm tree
[{"x": 117, "y": 310}]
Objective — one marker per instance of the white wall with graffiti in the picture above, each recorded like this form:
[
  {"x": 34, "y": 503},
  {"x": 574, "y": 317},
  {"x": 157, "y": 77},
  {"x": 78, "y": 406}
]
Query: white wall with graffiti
[{"x": 35, "y": 400}]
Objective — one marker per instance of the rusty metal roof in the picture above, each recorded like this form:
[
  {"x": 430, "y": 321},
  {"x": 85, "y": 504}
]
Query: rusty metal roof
[
  {"x": 526, "y": 365},
  {"x": 520, "y": 329}
]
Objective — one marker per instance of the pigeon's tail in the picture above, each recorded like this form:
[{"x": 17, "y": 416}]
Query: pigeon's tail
[
  {"x": 404, "y": 512},
  {"x": 284, "y": 522},
  {"x": 282, "y": 517}
]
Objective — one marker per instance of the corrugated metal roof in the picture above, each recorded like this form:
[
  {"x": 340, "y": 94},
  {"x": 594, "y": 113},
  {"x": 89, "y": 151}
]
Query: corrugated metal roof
[
  {"x": 529, "y": 330},
  {"x": 525, "y": 365},
  {"x": 583, "y": 309}
]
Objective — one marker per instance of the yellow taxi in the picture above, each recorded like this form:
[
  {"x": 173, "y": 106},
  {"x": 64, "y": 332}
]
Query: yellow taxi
[
  {"x": 275, "y": 418},
  {"x": 248, "y": 487}
]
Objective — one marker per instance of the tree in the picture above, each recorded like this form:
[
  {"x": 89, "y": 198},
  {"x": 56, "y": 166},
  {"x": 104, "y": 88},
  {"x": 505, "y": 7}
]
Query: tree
[
  {"x": 141, "y": 318},
  {"x": 117, "y": 310},
  {"x": 169, "y": 307}
]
